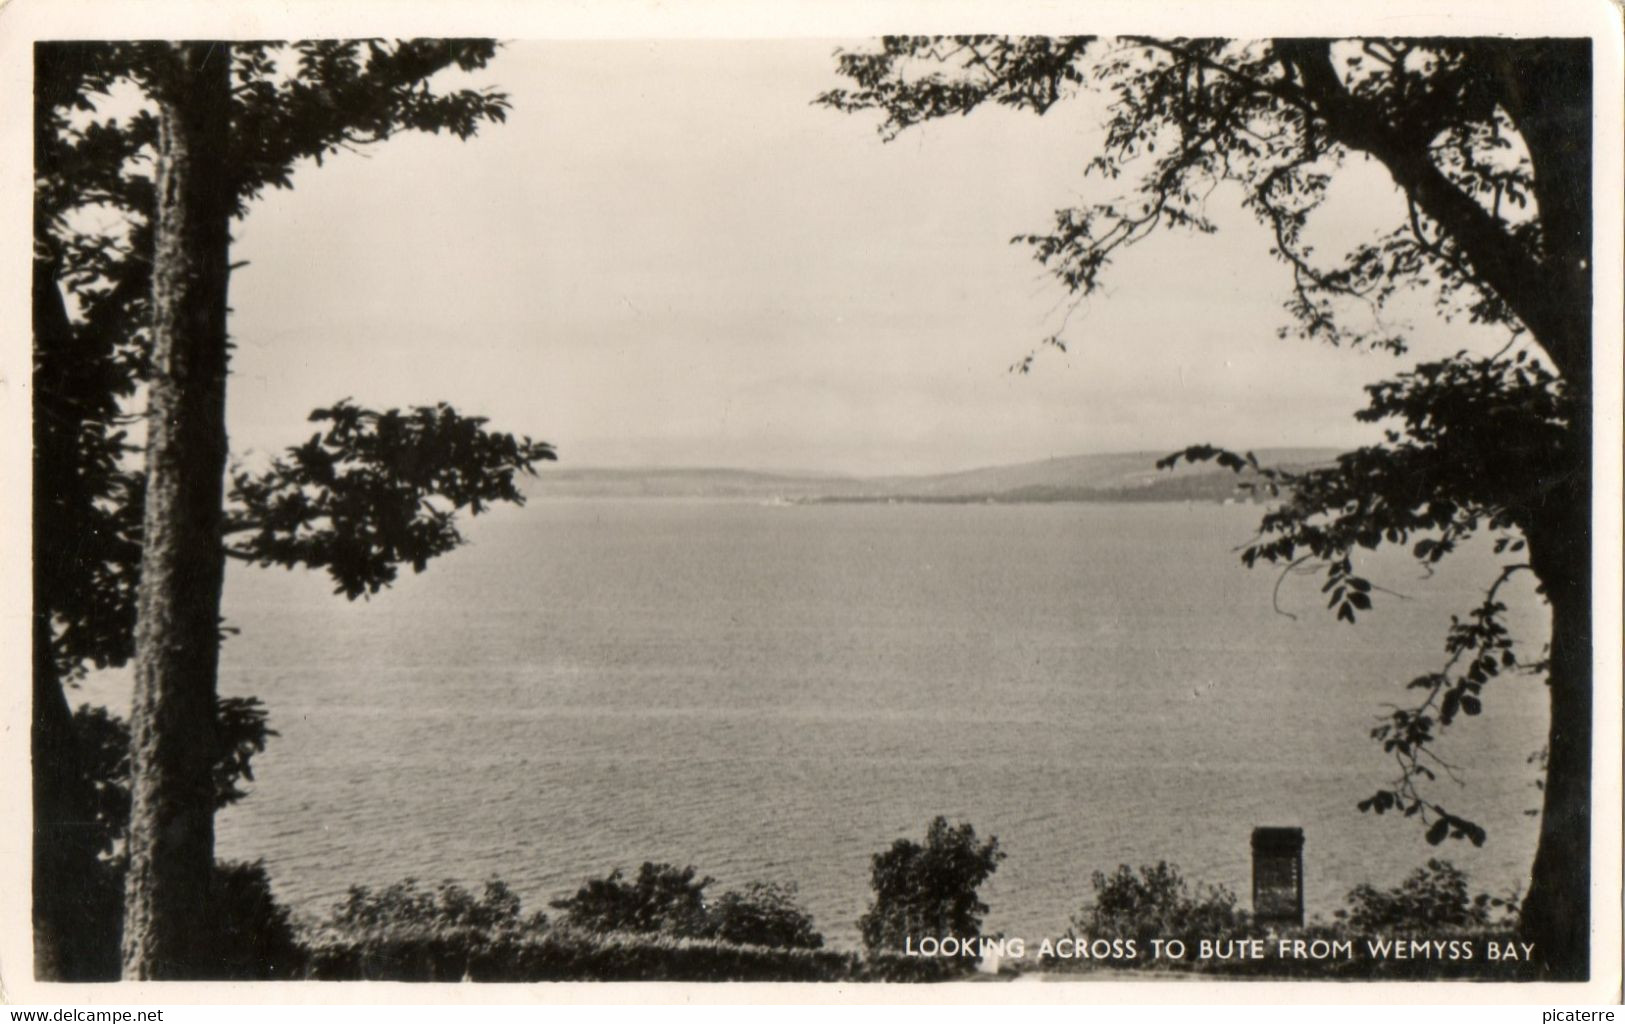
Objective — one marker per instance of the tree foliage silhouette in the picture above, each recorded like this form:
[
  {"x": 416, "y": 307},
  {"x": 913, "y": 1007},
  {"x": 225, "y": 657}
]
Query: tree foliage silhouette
[
  {"x": 929, "y": 890},
  {"x": 1487, "y": 142}
]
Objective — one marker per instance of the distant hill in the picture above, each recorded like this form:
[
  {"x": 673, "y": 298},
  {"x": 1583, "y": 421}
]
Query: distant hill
[
  {"x": 1127, "y": 476},
  {"x": 677, "y": 483}
]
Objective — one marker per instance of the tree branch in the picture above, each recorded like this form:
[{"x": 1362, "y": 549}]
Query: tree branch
[{"x": 1499, "y": 260}]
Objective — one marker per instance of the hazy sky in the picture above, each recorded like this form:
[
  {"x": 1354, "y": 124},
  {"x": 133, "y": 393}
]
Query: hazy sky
[{"x": 668, "y": 256}]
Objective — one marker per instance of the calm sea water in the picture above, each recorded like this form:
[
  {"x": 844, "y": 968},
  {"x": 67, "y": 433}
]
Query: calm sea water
[{"x": 779, "y": 692}]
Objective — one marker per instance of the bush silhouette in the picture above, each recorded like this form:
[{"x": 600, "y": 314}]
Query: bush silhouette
[
  {"x": 1432, "y": 897},
  {"x": 663, "y": 898},
  {"x": 1157, "y": 903},
  {"x": 763, "y": 914}
]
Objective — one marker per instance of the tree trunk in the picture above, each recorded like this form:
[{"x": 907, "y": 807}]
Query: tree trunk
[
  {"x": 178, "y": 608},
  {"x": 1546, "y": 87},
  {"x": 1556, "y": 914},
  {"x": 1549, "y": 95}
]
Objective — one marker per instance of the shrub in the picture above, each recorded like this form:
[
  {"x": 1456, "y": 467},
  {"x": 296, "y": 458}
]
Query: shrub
[
  {"x": 763, "y": 914},
  {"x": 1433, "y": 897},
  {"x": 411, "y": 932},
  {"x": 563, "y": 955},
  {"x": 404, "y": 907},
  {"x": 671, "y": 901},
  {"x": 929, "y": 890},
  {"x": 253, "y": 938},
  {"x": 1157, "y": 903}
]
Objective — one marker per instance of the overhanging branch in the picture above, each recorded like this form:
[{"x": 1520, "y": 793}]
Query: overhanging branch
[{"x": 1498, "y": 259}]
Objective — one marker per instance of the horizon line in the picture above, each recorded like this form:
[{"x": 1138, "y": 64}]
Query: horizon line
[{"x": 562, "y": 465}]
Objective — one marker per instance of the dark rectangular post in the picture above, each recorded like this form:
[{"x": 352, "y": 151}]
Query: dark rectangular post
[{"x": 1278, "y": 875}]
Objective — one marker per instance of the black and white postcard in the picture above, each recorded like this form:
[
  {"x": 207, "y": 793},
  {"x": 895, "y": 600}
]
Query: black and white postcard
[{"x": 852, "y": 500}]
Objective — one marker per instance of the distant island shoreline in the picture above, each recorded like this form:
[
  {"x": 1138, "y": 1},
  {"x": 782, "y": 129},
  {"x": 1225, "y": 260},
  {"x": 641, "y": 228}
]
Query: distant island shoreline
[{"x": 1096, "y": 479}]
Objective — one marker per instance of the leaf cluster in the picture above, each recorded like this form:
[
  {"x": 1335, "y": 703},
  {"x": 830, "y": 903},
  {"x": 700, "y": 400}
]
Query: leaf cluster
[
  {"x": 313, "y": 98},
  {"x": 901, "y": 77},
  {"x": 1475, "y": 444},
  {"x": 375, "y": 490},
  {"x": 242, "y": 730}
]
